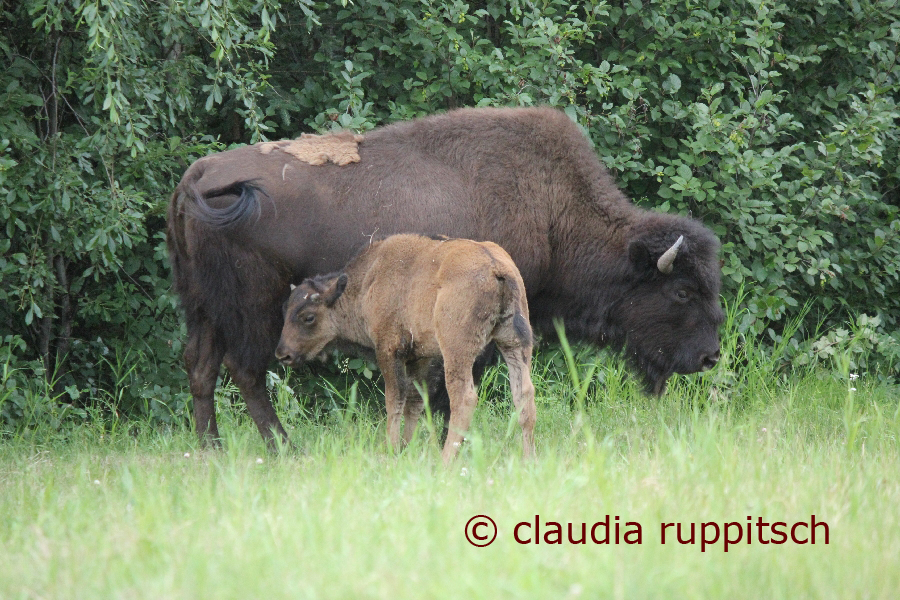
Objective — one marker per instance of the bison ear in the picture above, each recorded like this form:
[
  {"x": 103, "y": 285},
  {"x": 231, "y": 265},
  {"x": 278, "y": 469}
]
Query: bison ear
[
  {"x": 336, "y": 289},
  {"x": 639, "y": 255}
]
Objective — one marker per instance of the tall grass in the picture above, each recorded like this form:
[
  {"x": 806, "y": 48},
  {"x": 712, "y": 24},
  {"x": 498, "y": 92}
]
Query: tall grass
[{"x": 142, "y": 512}]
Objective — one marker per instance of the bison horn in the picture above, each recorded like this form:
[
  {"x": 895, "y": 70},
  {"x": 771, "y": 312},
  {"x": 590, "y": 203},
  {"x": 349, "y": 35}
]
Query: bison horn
[
  {"x": 293, "y": 287},
  {"x": 664, "y": 264},
  {"x": 314, "y": 298}
]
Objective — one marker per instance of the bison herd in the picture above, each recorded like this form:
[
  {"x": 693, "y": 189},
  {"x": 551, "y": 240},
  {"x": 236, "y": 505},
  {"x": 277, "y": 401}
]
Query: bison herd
[{"x": 288, "y": 249}]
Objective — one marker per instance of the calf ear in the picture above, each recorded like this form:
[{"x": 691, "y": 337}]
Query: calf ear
[{"x": 335, "y": 290}]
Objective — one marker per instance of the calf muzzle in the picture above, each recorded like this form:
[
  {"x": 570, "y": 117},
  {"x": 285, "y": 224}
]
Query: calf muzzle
[{"x": 285, "y": 356}]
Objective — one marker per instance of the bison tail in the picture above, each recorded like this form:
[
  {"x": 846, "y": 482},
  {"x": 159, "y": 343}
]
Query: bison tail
[
  {"x": 188, "y": 203},
  {"x": 247, "y": 204}
]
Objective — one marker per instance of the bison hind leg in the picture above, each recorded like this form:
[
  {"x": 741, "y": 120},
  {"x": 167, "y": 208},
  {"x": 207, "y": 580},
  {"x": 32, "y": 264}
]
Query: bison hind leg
[{"x": 202, "y": 359}]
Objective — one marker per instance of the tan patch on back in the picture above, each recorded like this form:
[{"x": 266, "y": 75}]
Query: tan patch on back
[{"x": 340, "y": 148}]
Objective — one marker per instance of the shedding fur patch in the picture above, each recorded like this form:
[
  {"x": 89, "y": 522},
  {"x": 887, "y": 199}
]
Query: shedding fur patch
[{"x": 340, "y": 148}]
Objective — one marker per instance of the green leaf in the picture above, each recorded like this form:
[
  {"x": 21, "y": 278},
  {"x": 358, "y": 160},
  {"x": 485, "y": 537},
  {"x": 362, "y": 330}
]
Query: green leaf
[
  {"x": 764, "y": 98},
  {"x": 672, "y": 84}
]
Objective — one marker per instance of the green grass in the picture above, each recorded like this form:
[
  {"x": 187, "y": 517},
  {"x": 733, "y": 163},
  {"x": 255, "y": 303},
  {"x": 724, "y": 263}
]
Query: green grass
[
  {"x": 124, "y": 510},
  {"x": 95, "y": 514}
]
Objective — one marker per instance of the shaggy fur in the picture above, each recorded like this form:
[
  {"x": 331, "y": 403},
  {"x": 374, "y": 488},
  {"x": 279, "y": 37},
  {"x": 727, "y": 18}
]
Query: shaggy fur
[
  {"x": 420, "y": 303},
  {"x": 339, "y": 148},
  {"x": 242, "y": 225}
]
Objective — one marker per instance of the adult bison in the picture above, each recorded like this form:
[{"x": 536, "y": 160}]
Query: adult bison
[{"x": 245, "y": 223}]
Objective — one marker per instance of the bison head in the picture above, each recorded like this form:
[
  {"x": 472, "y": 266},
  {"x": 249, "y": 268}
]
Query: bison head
[
  {"x": 309, "y": 323},
  {"x": 668, "y": 317}
]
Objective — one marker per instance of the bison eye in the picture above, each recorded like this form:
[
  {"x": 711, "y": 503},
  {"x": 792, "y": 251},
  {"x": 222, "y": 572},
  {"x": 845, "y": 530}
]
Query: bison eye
[
  {"x": 309, "y": 319},
  {"x": 682, "y": 295}
]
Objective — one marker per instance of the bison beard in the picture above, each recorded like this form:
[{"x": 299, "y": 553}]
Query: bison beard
[{"x": 244, "y": 224}]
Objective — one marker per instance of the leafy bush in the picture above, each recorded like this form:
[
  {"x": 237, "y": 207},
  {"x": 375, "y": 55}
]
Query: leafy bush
[
  {"x": 773, "y": 122},
  {"x": 99, "y": 119}
]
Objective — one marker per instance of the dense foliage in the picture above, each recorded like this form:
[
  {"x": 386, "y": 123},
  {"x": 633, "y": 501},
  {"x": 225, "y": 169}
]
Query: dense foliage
[{"x": 773, "y": 122}]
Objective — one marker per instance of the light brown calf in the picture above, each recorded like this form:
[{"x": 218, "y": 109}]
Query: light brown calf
[{"x": 413, "y": 300}]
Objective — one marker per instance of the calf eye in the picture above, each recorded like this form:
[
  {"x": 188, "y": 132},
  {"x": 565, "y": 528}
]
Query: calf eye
[{"x": 682, "y": 295}]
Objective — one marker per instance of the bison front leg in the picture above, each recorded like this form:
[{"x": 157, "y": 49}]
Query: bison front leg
[{"x": 202, "y": 359}]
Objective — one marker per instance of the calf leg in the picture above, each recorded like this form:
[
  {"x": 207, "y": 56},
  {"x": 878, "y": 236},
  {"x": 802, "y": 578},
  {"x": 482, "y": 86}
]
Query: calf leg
[
  {"x": 463, "y": 399},
  {"x": 395, "y": 381},
  {"x": 518, "y": 359},
  {"x": 202, "y": 359},
  {"x": 417, "y": 371},
  {"x": 251, "y": 381},
  {"x": 438, "y": 400},
  {"x": 412, "y": 411}
]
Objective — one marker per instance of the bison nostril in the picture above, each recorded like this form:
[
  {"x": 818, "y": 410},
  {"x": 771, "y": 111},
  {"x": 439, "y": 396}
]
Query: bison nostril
[
  {"x": 284, "y": 357},
  {"x": 709, "y": 361}
]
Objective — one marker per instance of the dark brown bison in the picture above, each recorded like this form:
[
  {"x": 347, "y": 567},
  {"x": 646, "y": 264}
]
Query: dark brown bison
[
  {"x": 415, "y": 302},
  {"x": 245, "y": 223}
]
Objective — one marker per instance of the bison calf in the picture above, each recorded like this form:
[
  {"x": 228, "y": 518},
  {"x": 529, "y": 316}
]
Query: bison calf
[{"x": 414, "y": 300}]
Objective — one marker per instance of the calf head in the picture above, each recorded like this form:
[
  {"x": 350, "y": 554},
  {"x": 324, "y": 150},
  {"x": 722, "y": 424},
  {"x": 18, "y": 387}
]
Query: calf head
[
  {"x": 309, "y": 318},
  {"x": 668, "y": 320}
]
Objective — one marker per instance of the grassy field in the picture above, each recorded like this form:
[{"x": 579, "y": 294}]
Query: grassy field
[{"x": 136, "y": 512}]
